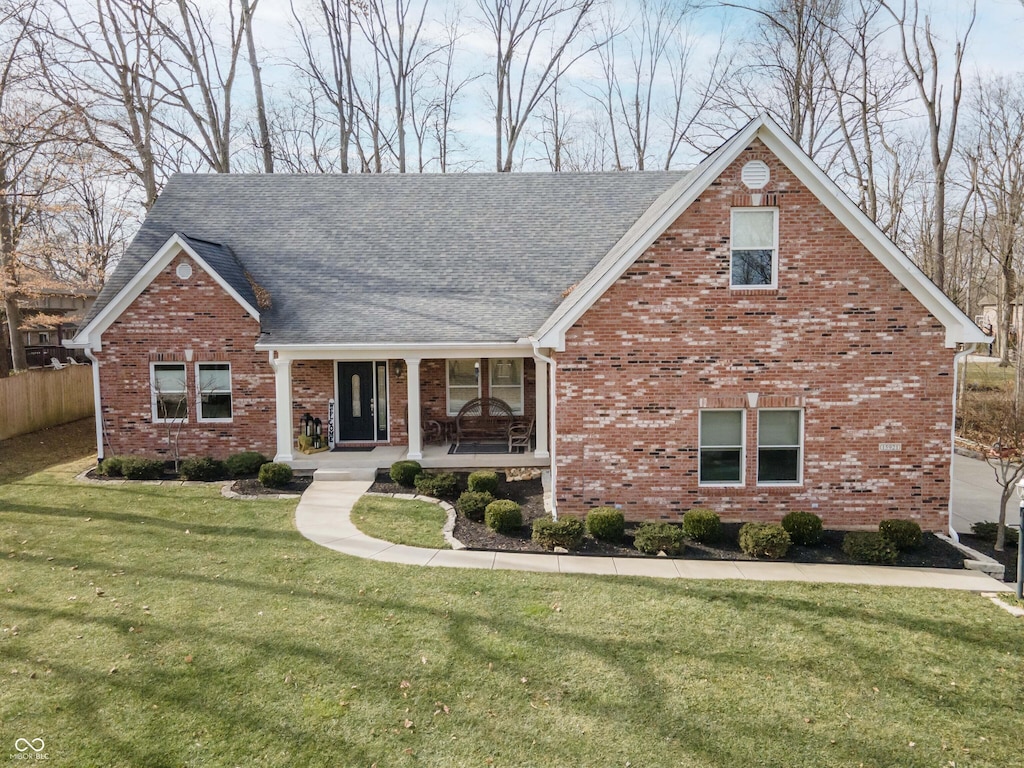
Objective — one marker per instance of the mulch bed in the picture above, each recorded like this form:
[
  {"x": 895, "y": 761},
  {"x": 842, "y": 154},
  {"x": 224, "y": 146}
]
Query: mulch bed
[
  {"x": 248, "y": 486},
  {"x": 933, "y": 553}
]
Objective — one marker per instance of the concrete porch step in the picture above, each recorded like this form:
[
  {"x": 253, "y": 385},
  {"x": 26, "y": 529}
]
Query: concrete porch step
[{"x": 361, "y": 473}]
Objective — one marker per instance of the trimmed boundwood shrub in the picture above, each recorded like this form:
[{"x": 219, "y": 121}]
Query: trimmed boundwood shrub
[
  {"x": 566, "y": 533},
  {"x": 869, "y": 547},
  {"x": 245, "y": 463},
  {"x": 273, "y": 475},
  {"x": 606, "y": 524},
  {"x": 503, "y": 516},
  {"x": 902, "y": 534},
  {"x": 652, "y": 538},
  {"x": 202, "y": 468},
  {"x": 769, "y": 540},
  {"x": 443, "y": 485},
  {"x": 483, "y": 481},
  {"x": 703, "y": 525},
  {"x": 472, "y": 504},
  {"x": 137, "y": 468},
  {"x": 804, "y": 528},
  {"x": 113, "y": 467},
  {"x": 404, "y": 472}
]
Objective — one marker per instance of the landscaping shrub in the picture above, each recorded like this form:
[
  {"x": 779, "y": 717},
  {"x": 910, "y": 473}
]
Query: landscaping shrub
[
  {"x": 503, "y": 516},
  {"x": 483, "y": 481},
  {"x": 472, "y": 504},
  {"x": 986, "y": 531},
  {"x": 902, "y": 534},
  {"x": 869, "y": 547},
  {"x": 443, "y": 485},
  {"x": 274, "y": 475},
  {"x": 203, "y": 468},
  {"x": 702, "y": 525},
  {"x": 566, "y": 533},
  {"x": 769, "y": 540},
  {"x": 804, "y": 528},
  {"x": 137, "y": 468},
  {"x": 245, "y": 463},
  {"x": 404, "y": 472},
  {"x": 111, "y": 467},
  {"x": 652, "y": 538},
  {"x": 606, "y": 524}
]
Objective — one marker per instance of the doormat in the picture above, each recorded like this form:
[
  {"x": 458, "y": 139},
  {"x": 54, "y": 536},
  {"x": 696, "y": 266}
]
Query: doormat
[
  {"x": 353, "y": 448},
  {"x": 479, "y": 448}
]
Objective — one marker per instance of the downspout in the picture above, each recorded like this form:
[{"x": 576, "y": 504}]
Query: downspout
[
  {"x": 552, "y": 435},
  {"x": 97, "y": 402},
  {"x": 962, "y": 355}
]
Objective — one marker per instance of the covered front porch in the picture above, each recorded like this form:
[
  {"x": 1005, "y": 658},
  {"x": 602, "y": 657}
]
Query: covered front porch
[{"x": 375, "y": 406}]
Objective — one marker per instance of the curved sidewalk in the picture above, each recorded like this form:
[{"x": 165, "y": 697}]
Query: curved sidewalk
[{"x": 322, "y": 516}]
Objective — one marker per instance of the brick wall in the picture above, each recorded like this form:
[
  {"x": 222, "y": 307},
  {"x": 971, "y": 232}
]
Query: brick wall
[
  {"x": 170, "y": 316},
  {"x": 839, "y": 338}
]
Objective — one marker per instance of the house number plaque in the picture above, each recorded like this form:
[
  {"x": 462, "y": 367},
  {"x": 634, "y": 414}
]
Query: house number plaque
[{"x": 890, "y": 447}]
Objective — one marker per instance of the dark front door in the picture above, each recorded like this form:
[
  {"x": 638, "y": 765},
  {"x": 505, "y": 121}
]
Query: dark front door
[{"x": 355, "y": 401}]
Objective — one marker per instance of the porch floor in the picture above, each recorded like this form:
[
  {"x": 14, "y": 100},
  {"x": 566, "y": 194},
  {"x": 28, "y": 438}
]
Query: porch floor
[{"x": 363, "y": 464}]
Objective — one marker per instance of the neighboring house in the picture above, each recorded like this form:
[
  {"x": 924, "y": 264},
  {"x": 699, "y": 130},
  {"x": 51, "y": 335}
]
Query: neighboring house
[
  {"x": 738, "y": 337},
  {"x": 48, "y": 319}
]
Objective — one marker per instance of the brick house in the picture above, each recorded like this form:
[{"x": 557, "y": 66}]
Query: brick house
[{"x": 739, "y": 336}]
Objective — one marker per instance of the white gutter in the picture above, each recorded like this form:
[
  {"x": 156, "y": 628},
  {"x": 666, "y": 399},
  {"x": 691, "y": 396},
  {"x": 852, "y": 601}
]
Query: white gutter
[
  {"x": 969, "y": 349},
  {"x": 552, "y": 433}
]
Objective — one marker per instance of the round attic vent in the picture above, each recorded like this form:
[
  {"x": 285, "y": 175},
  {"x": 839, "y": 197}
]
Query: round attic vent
[
  {"x": 184, "y": 271},
  {"x": 755, "y": 174}
]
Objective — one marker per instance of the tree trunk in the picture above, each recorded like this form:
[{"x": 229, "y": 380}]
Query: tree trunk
[{"x": 257, "y": 80}]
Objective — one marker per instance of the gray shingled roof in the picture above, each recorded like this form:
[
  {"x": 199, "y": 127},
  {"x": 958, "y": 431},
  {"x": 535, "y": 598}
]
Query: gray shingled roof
[
  {"x": 398, "y": 258},
  {"x": 221, "y": 259}
]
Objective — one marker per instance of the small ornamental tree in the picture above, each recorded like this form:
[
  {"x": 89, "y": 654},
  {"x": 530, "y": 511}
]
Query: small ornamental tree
[{"x": 1003, "y": 419}]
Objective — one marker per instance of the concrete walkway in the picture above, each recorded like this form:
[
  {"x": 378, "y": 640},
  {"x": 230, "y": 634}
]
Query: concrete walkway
[{"x": 322, "y": 516}]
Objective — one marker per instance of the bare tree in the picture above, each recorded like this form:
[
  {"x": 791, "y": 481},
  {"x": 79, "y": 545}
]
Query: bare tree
[
  {"x": 522, "y": 30},
  {"x": 266, "y": 147},
  {"x": 919, "y": 48}
]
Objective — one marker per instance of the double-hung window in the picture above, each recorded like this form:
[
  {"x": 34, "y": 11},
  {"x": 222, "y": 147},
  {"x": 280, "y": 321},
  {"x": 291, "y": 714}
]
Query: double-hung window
[
  {"x": 721, "y": 447},
  {"x": 463, "y": 383},
  {"x": 779, "y": 447},
  {"x": 214, "y": 385},
  {"x": 506, "y": 378},
  {"x": 170, "y": 392},
  {"x": 755, "y": 251}
]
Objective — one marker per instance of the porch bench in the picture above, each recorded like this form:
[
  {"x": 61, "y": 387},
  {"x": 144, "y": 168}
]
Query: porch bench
[{"x": 483, "y": 418}]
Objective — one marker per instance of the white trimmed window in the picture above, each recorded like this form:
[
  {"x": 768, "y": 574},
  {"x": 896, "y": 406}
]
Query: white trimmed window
[
  {"x": 463, "y": 383},
  {"x": 506, "y": 379},
  {"x": 779, "y": 447},
  {"x": 170, "y": 392},
  {"x": 755, "y": 248},
  {"x": 214, "y": 391},
  {"x": 721, "y": 447}
]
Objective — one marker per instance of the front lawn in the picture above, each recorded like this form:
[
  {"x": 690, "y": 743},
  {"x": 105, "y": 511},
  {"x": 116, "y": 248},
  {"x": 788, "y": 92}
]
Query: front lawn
[
  {"x": 403, "y": 521},
  {"x": 166, "y": 626}
]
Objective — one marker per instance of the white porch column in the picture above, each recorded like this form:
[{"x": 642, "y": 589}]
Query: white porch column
[
  {"x": 283, "y": 388},
  {"x": 541, "y": 451},
  {"x": 412, "y": 367}
]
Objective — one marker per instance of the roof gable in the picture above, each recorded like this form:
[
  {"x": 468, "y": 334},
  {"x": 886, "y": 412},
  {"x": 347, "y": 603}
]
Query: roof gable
[
  {"x": 215, "y": 259},
  {"x": 671, "y": 205}
]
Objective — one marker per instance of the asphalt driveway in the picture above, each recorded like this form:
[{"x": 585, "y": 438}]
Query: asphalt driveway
[{"x": 976, "y": 495}]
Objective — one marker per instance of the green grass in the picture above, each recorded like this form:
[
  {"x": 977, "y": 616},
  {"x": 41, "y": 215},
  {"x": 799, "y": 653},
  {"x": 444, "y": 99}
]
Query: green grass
[
  {"x": 402, "y": 521},
  {"x": 237, "y": 642}
]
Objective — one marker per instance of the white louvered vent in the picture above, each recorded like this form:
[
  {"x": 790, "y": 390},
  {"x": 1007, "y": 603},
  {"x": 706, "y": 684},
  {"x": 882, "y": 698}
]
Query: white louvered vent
[
  {"x": 183, "y": 271},
  {"x": 755, "y": 174}
]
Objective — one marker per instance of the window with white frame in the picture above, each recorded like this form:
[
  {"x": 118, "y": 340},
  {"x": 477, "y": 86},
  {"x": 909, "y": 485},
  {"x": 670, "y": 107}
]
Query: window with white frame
[
  {"x": 506, "y": 379},
  {"x": 214, "y": 395},
  {"x": 779, "y": 446},
  {"x": 721, "y": 447},
  {"x": 755, "y": 251},
  {"x": 463, "y": 383},
  {"x": 170, "y": 392}
]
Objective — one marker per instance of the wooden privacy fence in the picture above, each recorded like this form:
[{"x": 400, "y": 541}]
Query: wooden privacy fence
[{"x": 44, "y": 398}]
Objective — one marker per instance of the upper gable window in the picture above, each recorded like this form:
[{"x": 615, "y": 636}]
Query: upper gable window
[{"x": 755, "y": 250}]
